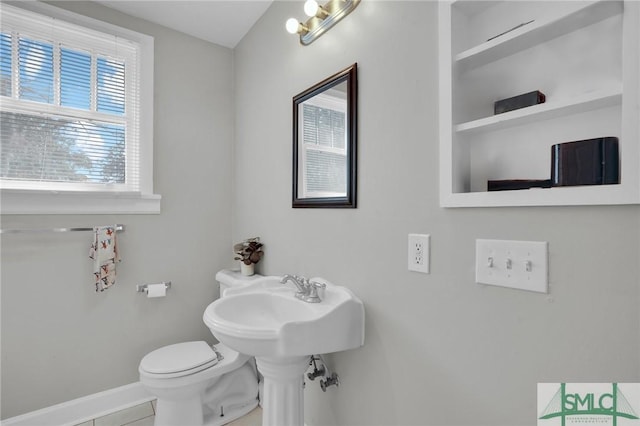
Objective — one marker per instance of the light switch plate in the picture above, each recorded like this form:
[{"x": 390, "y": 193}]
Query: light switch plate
[{"x": 521, "y": 265}]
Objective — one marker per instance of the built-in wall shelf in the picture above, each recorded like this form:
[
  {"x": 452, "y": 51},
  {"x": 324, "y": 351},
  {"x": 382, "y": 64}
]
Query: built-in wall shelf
[
  {"x": 550, "y": 109},
  {"x": 534, "y": 32},
  {"x": 583, "y": 55}
]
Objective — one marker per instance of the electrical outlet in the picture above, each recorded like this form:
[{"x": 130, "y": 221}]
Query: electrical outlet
[{"x": 418, "y": 253}]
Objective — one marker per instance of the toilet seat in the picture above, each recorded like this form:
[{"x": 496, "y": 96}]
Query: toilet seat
[{"x": 178, "y": 360}]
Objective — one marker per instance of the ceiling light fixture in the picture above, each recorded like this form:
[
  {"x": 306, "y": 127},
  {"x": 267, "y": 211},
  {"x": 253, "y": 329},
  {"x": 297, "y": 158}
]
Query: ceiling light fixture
[
  {"x": 295, "y": 27},
  {"x": 312, "y": 8},
  {"x": 321, "y": 18}
]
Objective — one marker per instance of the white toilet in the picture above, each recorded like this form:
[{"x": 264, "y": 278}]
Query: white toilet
[{"x": 196, "y": 384}]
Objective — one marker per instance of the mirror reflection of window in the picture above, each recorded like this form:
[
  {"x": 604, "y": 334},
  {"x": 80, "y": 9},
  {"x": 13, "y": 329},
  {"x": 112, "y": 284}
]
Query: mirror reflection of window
[
  {"x": 325, "y": 141},
  {"x": 324, "y": 136}
]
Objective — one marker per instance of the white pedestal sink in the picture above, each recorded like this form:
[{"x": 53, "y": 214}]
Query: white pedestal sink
[
  {"x": 266, "y": 320},
  {"x": 283, "y": 392}
]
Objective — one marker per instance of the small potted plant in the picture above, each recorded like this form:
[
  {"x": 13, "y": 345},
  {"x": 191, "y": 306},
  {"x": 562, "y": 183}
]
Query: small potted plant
[{"x": 248, "y": 252}]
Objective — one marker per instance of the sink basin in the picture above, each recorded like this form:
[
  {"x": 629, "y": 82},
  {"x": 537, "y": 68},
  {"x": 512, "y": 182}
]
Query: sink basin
[{"x": 265, "y": 319}]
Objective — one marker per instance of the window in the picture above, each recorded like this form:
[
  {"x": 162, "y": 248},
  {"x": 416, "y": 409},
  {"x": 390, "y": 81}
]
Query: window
[
  {"x": 324, "y": 164},
  {"x": 71, "y": 117}
]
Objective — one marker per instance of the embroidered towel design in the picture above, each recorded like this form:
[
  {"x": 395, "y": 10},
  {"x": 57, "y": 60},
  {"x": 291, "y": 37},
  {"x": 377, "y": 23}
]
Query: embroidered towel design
[{"x": 104, "y": 252}]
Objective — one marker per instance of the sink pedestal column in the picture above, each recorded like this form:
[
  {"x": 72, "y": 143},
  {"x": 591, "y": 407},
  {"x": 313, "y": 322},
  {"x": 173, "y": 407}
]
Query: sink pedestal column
[{"x": 283, "y": 393}]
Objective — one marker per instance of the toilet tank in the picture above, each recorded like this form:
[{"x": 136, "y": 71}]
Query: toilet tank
[{"x": 228, "y": 279}]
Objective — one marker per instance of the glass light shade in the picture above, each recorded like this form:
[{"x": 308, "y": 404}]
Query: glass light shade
[
  {"x": 311, "y": 7},
  {"x": 292, "y": 25}
]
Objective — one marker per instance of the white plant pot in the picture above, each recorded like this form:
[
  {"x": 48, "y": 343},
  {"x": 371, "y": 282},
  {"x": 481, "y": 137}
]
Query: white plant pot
[{"x": 247, "y": 270}]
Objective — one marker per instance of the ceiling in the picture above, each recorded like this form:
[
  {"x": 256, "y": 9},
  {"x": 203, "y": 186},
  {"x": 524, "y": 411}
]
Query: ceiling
[{"x": 223, "y": 22}]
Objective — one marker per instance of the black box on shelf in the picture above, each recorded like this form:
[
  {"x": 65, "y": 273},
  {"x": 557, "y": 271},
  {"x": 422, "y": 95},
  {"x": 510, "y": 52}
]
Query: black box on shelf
[
  {"x": 586, "y": 162},
  {"x": 517, "y": 102},
  {"x": 512, "y": 184}
]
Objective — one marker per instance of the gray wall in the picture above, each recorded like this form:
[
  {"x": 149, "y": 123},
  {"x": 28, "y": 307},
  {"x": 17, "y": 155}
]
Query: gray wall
[
  {"x": 440, "y": 349},
  {"x": 61, "y": 340}
]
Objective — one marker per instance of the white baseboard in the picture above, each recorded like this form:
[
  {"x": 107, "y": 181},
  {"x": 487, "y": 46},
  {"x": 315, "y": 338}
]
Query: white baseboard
[{"x": 83, "y": 409}]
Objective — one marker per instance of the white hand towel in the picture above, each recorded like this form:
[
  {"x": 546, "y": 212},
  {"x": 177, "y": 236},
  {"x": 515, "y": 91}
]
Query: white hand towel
[{"x": 104, "y": 252}]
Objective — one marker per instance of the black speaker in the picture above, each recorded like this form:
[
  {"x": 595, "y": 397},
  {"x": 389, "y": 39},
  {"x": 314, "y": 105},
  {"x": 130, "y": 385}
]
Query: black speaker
[
  {"x": 513, "y": 184},
  {"x": 586, "y": 162},
  {"x": 520, "y": 101}
]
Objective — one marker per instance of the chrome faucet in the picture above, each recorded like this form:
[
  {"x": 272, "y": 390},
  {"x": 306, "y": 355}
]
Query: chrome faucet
[
  {"x": 298, "y": 281},
  {"x": 307, "y": 290},
  {"x": 312, "y": 296}
]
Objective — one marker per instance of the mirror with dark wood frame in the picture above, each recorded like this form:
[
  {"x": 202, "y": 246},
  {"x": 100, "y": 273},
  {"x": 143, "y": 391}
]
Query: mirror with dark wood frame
[{"x": 325, "y": 141}]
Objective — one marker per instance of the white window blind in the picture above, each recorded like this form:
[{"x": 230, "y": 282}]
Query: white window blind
[
  {"x": 69, "y": 106},
  {"x": 324, "y": 157}
]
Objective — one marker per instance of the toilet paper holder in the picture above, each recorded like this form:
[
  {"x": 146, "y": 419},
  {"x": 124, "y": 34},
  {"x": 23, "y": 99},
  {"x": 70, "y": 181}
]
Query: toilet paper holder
[{"x": 143, "y": 288}]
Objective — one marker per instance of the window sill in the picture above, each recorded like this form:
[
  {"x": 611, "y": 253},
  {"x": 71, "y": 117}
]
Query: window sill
[{"x": 71, "y": 202}]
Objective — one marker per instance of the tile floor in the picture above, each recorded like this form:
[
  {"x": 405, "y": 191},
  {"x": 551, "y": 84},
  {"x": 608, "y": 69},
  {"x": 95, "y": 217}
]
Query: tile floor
[{"x": 144, "y": 414}]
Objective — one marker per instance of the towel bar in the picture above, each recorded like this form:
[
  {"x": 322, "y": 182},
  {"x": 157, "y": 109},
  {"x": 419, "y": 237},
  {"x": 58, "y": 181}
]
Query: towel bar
[{"x": 36, "y": 230}]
